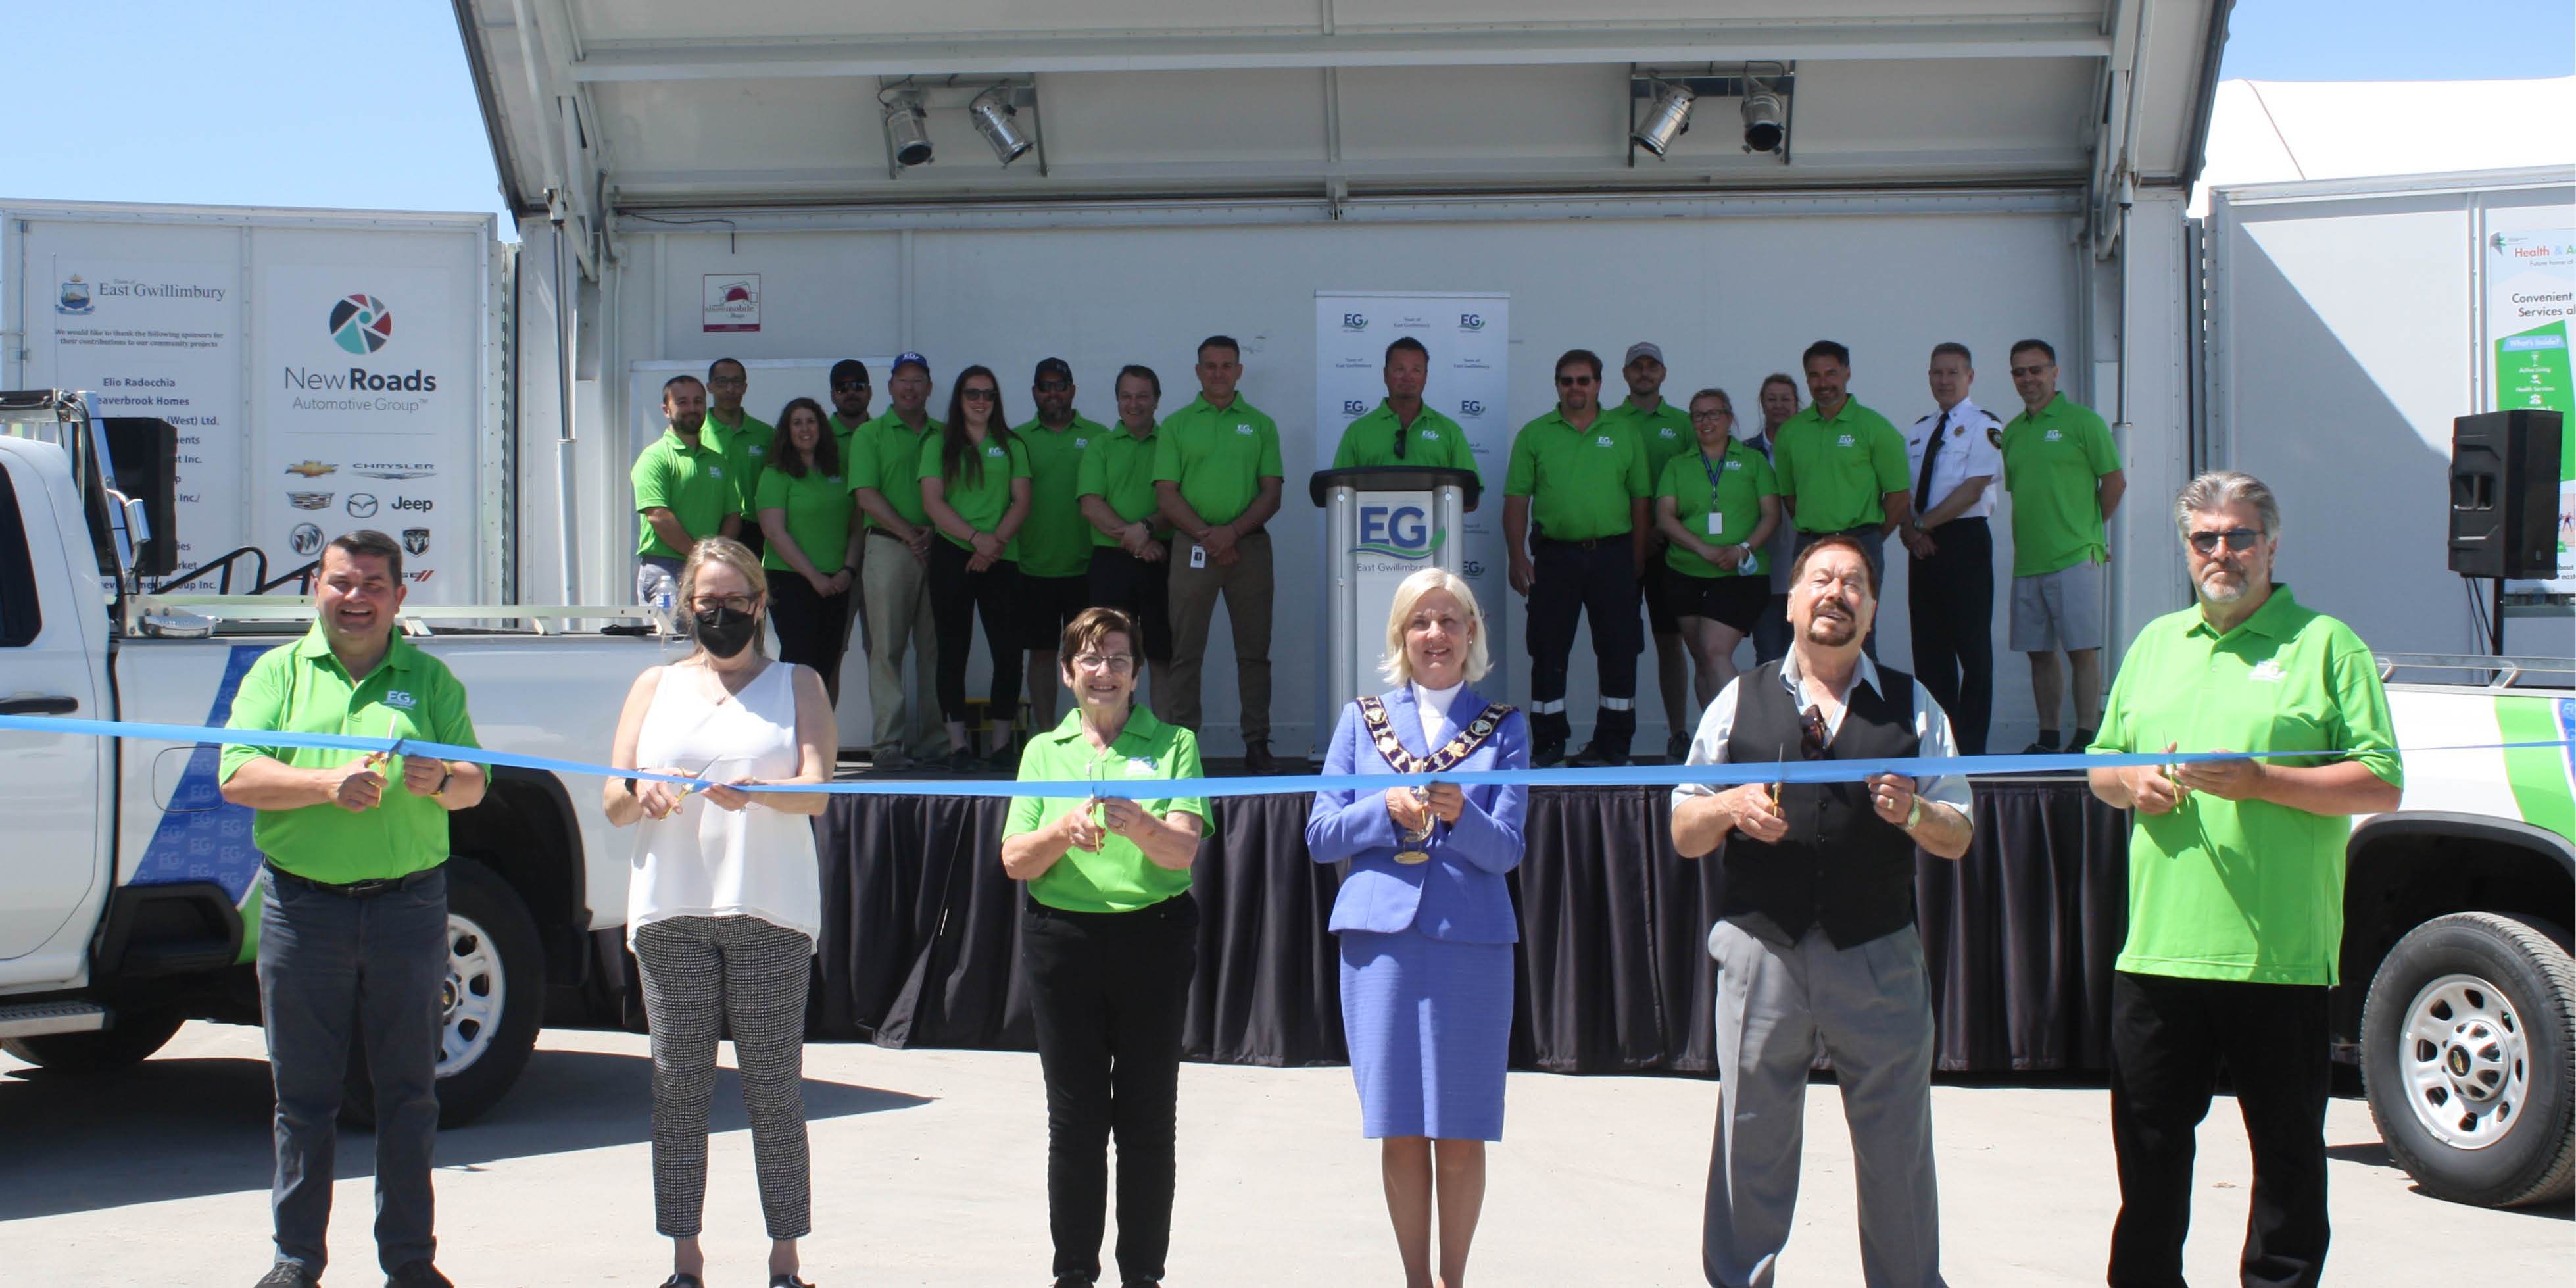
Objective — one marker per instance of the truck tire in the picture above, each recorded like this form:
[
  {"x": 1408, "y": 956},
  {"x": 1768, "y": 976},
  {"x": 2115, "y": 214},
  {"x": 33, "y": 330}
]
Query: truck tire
[
  {"x": 129, "y": 1040},
  {"x": 2468, "y": 1054},
  {"x": 494, "y": 999}
]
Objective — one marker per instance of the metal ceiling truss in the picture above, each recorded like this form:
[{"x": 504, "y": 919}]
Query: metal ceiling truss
[{"x": 574, "y": 155}]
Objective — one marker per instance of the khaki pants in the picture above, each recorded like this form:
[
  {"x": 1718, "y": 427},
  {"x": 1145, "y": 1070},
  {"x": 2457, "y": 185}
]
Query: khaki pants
[
  {"x": 896, "y": 607},
  {"x": 1246, "y": 587}
]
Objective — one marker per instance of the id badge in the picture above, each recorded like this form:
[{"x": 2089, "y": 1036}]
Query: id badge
[
  {"x": 1198, "y": 556},
  {"x": 1716, "y": 523}
]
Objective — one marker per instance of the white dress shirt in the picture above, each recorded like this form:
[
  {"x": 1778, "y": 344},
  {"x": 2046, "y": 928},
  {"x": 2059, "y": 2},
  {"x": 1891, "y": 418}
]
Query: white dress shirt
[
  {"x": 1931, "y": 728},
  {"x": 1971, "y": 447}
]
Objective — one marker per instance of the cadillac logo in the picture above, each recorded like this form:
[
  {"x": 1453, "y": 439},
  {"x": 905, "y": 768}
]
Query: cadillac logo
[{"x": 309, "y": 500}]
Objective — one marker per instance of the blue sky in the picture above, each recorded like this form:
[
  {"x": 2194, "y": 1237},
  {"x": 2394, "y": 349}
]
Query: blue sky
[{"x": 290, "y": 103}]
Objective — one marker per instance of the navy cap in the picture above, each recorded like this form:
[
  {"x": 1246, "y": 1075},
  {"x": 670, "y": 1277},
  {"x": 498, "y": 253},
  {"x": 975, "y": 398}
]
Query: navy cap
[
  {"x": 849, "y": 369},
  {"x": 1053, "y": 367},
  {"x": 908, "y": 358}
]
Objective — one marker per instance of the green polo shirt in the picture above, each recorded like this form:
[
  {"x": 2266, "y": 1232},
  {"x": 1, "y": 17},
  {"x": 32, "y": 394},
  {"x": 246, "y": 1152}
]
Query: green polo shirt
[
  {"x": 2054, "y": 460},
  {"x": 302, "y": 688},
  {"x": 887, "y": 456},
  {"x": 694, "y": 483},
  {"x": 842, "y": 430},
  {"x": 819, "y": 513},
  {"x": 1743, "y": 480},
  {"x": 1432, "y": 439},
  {"x": 1054, "y": 542},
  {"x": 1119, "y": 469},
  {"x": 1219, "y": 457},
  {"x": 1840, "y": 471},
  {"x": 1118, "y": 877},
  {"x": 980, "y": 501},
  {"x": 1579, "y": 481},
  {"x": 747, "y": 446},
  {"x": 2244, "y": 890},
  {"x": 1666, "y": 432}
]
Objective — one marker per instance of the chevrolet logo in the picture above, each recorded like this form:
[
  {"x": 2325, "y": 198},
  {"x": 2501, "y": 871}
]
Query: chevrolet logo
[{"x": 312, "y": 469}]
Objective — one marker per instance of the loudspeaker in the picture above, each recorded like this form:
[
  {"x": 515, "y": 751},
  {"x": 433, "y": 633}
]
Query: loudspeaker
[{"x": 2504, "y": 494}]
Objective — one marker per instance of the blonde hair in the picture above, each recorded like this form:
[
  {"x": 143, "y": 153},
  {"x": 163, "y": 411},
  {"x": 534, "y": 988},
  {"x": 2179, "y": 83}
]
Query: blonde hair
[
  {"x": 732, "y": 554},
  {"x": 1397, "y": 668}
]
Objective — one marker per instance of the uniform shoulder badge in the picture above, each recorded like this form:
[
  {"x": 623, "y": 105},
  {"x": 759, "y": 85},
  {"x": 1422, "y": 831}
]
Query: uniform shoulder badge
[{"x": 1994, "y": 432}]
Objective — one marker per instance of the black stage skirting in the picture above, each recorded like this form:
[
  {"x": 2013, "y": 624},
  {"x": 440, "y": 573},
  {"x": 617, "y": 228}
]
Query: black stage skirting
[{"x": 921, "y": 933}]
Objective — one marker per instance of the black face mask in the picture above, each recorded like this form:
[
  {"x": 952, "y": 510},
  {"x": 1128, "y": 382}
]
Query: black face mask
[{"x": 724, "y": 632}]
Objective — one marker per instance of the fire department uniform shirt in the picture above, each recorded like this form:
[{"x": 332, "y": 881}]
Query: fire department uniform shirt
[
  {"x": 302, "y": 688},
  {"x": 1971, "y": 446},
  {"x": 2244, "y": 890}
]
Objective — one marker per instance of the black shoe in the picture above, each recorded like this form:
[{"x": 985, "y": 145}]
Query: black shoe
[
  {"x": 1257, "y": 758},
  {"x": 678, "y": 1280},
  {"x": 2039, "y": 749},
  {"x": 1677, "y": 748},
  {"x": 1547, "y": 753},
  {"x": 288, "y": 1274},
  {"x": 417, "y": 1274},
  {"x": 1595, "y": 755},
  {"x": 1072, "y": 1281},
  {"x": 787, "y": 1281}
]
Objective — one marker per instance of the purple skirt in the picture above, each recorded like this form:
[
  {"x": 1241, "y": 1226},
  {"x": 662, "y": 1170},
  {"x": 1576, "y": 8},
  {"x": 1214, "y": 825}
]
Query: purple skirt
[{"x": 1430, "y": 1026}]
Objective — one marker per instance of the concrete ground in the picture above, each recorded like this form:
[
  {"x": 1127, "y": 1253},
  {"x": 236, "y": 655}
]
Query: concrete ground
[{"x": 930, "y": 1169}]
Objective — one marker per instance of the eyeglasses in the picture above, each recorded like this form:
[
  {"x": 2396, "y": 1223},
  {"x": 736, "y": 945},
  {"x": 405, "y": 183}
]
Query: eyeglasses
[
  {"x": 709, "y": 604},
  {"x": 728, "y": 382},
  {"x": 2042, "y": 369},
  {"x": 1054, "y": 386},
  {"x": 1112, "y": 663},
  {"x": 1574, "y": 382},
  {"x": 1719, "y": 414},
  {"x": 2236, "y": 539},
  {"x": 1811, "y": 734},
  {"x": 979, "y": 395}
]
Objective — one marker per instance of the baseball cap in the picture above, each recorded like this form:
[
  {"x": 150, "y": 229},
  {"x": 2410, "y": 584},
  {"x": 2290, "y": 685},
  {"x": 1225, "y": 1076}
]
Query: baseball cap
[
  {"x": 1053, "y": 367},
  {"x": 1643, "y": 349},
  {"x": 908, "y": 358},
  {"x": 848, "y": 369}
]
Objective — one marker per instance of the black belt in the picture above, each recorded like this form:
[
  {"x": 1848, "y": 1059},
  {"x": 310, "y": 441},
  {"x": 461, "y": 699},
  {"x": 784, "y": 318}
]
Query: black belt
[
  {"x": 353, "y": 889},
  {"x": 887, "y": 534},
  {"x": 1590, "y": 543}
]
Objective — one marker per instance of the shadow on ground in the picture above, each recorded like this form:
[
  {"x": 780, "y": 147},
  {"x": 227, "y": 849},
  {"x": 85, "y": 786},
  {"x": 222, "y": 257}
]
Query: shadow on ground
[{"x": 178, "y": 1128}]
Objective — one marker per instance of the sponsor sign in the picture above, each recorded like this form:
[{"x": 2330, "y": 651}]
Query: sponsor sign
[
  {"x": 733, "y": 302},
  {"x": 2531, "y": 307}
]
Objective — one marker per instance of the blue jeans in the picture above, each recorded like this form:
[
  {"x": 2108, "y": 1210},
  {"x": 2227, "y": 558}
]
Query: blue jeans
[{"x": 332, "y": 970}]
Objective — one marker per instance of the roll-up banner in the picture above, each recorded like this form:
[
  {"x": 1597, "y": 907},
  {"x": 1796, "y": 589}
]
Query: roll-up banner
[
  {"x": 2530, "y": 288},
  {"x": 1468, "y": 334}
]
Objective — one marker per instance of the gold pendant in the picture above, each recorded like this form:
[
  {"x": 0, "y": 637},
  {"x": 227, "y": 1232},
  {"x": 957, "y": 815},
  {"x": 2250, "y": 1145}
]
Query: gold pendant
[{"x": 1411, "y": 857}]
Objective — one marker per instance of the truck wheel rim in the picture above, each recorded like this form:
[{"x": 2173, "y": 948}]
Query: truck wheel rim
[
  {"x": 2466, "y": 1061},
  {"x": 470, "y": 1003}
]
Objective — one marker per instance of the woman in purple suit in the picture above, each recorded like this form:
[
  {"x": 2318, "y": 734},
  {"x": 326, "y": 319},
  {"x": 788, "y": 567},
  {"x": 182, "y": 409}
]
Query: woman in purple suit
[{"x": 1425, "y": 919}]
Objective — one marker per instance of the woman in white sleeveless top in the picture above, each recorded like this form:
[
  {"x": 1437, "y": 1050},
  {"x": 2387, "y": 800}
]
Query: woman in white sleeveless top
[{"x": 725, "y": 902}]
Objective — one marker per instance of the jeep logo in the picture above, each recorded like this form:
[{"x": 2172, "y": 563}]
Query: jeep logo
[{"x": 418, "y": 505}]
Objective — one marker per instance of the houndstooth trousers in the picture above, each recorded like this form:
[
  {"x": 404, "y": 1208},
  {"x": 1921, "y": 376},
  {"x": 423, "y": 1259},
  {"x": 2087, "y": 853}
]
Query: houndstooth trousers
[{"x": 701, "y": 974}]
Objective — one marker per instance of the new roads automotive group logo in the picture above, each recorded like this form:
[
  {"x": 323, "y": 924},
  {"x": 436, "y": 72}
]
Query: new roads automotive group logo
[{"x": 361, "y": 323}]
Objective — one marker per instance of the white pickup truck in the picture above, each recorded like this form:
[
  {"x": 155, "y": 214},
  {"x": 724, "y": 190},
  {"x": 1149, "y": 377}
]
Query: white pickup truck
[{"x": 127, "y": 885}]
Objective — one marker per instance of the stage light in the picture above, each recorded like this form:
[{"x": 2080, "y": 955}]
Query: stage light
[
  {"x": 1765, "y": 112},
  {"x": 1667, "y": 120},
  {"x": 907, "y": 129},
  {"x": 995, "y": 120}
]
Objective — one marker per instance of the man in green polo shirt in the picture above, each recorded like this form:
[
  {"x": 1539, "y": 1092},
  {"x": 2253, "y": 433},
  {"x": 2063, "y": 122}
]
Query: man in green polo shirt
[
  {"x": 885, "y": 476},
  {"x": 1403, "y": 429},
  {"x": 1841, "y": 466},
  {"x": 2064, "y": 475},
  {"x": 1574, "y": 528},
  {"x": 744, "y": 437},
  {"x": 1216, "y": 477},
  {"x": 2235, "y": 883},
  {"x": 1055, "y": 540},
  {"x": 852, "y": 398},
  {"x": 684, "y": 492},
  {"x": 1131, "y": 541},
  {"x": 1665, "y": 430},
  {"x": 353, "y": 948}
]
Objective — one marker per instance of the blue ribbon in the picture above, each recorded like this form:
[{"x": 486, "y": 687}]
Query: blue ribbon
[{"x": 1811, "y": 771}]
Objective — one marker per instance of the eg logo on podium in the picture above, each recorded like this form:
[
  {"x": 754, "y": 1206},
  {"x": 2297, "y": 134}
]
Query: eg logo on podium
[{"x": 1397, "y": 532}]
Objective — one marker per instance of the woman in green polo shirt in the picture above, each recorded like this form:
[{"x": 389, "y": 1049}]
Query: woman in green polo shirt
[
  {"x": 813, "y": 545},
  {"x": 1108, "y": 941},
  {"x": 1716, "y": 507},
  {"x": 975, "y": 488}
]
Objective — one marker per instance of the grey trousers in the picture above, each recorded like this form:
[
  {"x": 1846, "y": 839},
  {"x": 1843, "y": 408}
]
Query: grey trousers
[
  {"x": 1871, "y": 1006},
  {"x": 895, "y": 616}
]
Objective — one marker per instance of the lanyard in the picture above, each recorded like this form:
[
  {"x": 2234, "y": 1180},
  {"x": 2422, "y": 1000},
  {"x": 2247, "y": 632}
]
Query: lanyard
[{"x": 1712, "y": 469}]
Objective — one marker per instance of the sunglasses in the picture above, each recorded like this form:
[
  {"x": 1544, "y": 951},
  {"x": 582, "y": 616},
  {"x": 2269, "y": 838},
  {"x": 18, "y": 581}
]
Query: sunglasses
[
  {"x": 850, "y": 384},
  {"x": 2236, "y": 539},
  {"x": 979, "y": 395},
  {"x": 1054, "y": 386},
  {"x": 1811, "y": 734},
  {"x": 1574, "y": 382}
]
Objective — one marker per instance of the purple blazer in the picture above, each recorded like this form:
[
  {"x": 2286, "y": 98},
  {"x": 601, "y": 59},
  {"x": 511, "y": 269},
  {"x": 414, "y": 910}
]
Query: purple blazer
[{"x": 1460, "y": 894}]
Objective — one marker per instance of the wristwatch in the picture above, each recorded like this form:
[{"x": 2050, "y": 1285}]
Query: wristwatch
[
  {"x": 446, "y": 775},
  {"x": 1913, "y": 814}
]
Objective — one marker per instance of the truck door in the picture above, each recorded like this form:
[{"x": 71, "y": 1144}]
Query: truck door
[{"x": 52, "y": 786}]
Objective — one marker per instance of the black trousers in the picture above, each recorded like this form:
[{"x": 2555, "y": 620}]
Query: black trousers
[
  {"x": 1142, "y": 590},
  {"x": 957, "y": 597},
  {"x": 1771, "y": 634},
  {"x": 1110, "y": 993},
  {"x": 1952, "y": 610},
  {"x": 813, "y": 629},
  {"x": 2168, "y": 1037},
  {"x": 1575, "y": 579}
]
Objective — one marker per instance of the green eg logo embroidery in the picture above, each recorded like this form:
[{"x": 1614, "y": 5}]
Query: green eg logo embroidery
[
  {"x": 1603, "y": 440},
  {"x": 1243, "y": 428}
]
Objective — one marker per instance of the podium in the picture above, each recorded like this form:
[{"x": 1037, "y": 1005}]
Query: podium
[{"x": 1382, "y": 524}]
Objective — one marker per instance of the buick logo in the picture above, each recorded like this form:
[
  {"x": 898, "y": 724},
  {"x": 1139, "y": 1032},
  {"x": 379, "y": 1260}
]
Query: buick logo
[
  {"x": 305, "y": 539},
  {"x": 362, "y": 505}
]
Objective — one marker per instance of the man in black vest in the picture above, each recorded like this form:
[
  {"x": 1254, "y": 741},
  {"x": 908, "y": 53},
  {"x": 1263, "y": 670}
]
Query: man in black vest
[{"x": 1815, "y": 936}]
